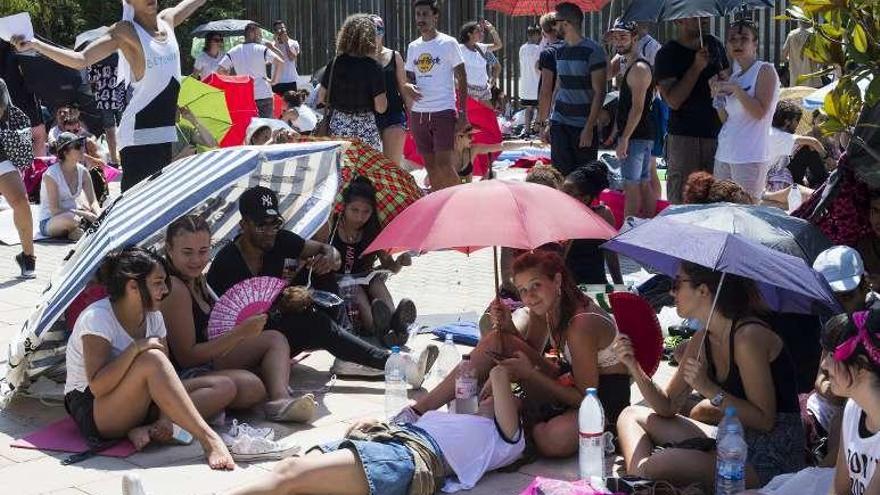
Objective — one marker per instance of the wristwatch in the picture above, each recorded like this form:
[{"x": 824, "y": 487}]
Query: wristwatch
[{"x": 718, "y": 399}]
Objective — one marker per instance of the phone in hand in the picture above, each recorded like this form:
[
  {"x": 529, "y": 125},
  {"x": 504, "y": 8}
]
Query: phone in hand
[{"x": 180, "y": 436}]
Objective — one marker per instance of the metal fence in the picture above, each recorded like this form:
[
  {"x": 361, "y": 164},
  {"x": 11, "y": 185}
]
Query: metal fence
[{"x": 315, "y": 23}]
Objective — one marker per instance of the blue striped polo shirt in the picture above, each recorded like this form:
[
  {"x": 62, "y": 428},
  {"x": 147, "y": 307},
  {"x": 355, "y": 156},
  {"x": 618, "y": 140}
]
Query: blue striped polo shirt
[{"x": 574, "y": 64}]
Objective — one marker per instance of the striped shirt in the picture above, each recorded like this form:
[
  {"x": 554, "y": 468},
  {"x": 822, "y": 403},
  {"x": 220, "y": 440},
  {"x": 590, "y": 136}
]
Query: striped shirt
[{"x": 574, "y": 65}]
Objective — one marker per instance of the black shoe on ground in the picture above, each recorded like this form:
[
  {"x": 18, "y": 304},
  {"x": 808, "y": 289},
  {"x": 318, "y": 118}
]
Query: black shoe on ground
[
  {"x": 27, "y": 264},
  {"x": 381, "y": 318},
  {"x": 404, "y": 316}
]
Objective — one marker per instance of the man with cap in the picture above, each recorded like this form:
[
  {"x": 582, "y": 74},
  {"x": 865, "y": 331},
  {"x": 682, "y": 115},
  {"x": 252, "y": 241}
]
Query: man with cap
[
  {"x": 264, "y": 248},
  {"x": 634, "y": 122},
  {"x": 843, "y": 269}
]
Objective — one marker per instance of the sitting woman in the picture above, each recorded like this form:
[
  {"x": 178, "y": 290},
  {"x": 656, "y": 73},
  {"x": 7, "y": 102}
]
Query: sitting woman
[
  {"x": 423, "y": 457},
  {"x": 584, "y": 257},
  {"x": 853, "y": 364},
  {"x": 120, "y": 381},
  {"x": 580, "y": 331},
  {"x": 66, "y": 192},
  {"x": 742, "y": 364},
  {"x": 351, "y": 232},
  {"x": 246, "y": 347}
]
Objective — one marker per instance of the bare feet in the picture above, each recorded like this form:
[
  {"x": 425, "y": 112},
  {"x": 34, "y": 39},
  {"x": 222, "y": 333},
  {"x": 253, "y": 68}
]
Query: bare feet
[
  {"x": 162, "y": 430},
  {"x": 140, "y": 436},
  {"x": 217, "y": 454}
]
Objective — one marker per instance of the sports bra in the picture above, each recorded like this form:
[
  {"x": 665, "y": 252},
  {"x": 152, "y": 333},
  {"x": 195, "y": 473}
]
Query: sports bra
[{"x": 606, "y": 357}]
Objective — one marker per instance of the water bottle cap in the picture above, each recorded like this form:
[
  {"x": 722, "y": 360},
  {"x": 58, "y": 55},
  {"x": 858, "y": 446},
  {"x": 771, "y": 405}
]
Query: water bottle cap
[
  {"x": 448, "y": 336},
  {"x": 592, "y": 391},
  {"x": 466, "y": 357},
  {"x": 395, "y": 350},
  {"x": 730, "y": 411}
]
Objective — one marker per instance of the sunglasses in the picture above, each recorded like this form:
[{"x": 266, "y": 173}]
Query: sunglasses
[
  {"x": 380, "y": 30},
  {"x": 270, "y": 226},
  {"x": 678, "y": 281}
]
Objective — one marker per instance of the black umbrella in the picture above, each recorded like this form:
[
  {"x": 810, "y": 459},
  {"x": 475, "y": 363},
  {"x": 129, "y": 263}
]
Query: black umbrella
[
  {"x": 669, "y": 10},
  {"x": 83, "y": 39},
  {"x": 226, "y": 27}
]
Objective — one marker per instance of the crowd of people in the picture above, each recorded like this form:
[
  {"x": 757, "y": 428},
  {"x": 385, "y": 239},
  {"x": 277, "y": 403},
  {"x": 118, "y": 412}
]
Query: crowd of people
[{"x": 140, "y": 360}]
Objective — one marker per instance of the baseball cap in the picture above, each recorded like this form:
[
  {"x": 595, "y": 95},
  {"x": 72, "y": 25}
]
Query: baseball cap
[
  {"x": 259, "y": 204},
  {"x": 621, "y": 25},
  {"x": 841, "y": 266}
]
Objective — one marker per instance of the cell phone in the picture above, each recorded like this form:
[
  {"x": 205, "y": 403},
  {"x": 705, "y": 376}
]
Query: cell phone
[{"x": 180, "y": 436}]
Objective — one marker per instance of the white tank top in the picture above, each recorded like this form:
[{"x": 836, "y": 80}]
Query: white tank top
[
  {"x": 66, "y": 197},
  {"x": 744, "y": 139},
  {"x": 151, "y": 111},
  {"x": 862, "y": 453}
]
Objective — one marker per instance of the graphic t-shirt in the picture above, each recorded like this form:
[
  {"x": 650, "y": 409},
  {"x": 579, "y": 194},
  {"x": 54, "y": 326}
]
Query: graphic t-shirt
[
  {"x": 861, "y": 448},
  {"x": 433, "y": 63},
  {"x": 109, "y": 95}
]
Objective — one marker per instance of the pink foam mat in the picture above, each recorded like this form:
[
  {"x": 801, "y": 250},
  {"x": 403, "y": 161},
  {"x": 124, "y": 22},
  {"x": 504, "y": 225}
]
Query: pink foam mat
[{"x": 63, "y": 436}]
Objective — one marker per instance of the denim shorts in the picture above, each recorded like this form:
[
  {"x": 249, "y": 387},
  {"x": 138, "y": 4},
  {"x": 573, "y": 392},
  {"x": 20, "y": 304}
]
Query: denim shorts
[
  {"x": 636, "y": 166},
  {"x": 389, "y": 467},
  {"x": 660, "y": 114},
  {"x": 390, "y": 119},
  {"x": 44, "y": 226}
]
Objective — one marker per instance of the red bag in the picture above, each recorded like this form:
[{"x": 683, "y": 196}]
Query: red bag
[{"x": 33, "y": 176}]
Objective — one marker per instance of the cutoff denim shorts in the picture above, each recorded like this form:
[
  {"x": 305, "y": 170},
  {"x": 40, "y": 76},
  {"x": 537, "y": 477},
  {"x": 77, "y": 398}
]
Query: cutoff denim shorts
[
  {"x": 389, "y": 467},
  {"x": 636, "y": 166}
]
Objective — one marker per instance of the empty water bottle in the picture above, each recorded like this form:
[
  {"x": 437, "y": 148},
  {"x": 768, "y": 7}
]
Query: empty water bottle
[
  {"x": 395, "y": 383},
  {"x": 352, "y": 314},
  {"x": 591, "y": 441},
  {"x": 730, "y": 467},
  {"x": 466, "y": 386},
  {"x": 447, "y": 359},
  {"x": 794, "y": 197}
]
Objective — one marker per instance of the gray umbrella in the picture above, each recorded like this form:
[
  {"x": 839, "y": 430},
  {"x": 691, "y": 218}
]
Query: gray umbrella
[
  {"x": 769, "y": 226},
  {"x": 226, "y": 27}
]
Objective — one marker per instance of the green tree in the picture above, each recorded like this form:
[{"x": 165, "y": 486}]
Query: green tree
[{"x": 846, "y": 41}]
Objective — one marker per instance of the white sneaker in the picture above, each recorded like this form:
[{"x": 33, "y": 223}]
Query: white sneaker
[
  {"x": 248, "y": 448},
  {"x": 406, "y": 416},
  {"x": 132, "y": 485},
  {"x": 418, "y": 366},
  {"x": 245, "y": 430}
]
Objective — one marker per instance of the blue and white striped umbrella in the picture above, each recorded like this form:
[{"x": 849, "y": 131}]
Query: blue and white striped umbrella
[{"x": 305, "y": 176}]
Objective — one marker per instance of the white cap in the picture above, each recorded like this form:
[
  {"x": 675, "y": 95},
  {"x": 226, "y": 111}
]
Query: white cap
[{"x": 841, "y": 266}]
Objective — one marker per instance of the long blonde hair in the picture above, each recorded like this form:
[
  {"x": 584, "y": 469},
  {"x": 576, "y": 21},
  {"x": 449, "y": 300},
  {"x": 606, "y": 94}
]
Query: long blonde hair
[{"x": 357, "y": 37}]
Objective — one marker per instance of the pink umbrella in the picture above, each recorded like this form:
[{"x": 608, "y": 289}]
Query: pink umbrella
[{"x": 539, "y": 7}]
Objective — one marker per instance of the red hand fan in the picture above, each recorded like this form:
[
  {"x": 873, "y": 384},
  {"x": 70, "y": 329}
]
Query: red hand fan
[
  {"x": 637, "y": 320},
  {"x": 245, "y": 299}
]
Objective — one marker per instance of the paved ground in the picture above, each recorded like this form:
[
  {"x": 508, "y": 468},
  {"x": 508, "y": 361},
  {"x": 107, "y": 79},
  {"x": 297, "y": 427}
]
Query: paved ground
[{"x": 445, "y": 286}]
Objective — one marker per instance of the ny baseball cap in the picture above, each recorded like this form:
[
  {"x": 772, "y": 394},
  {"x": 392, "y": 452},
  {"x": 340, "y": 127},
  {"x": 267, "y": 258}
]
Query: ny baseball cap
[
  {"x": 259, "y": 204},
  {"x": 841, "y": 266}
]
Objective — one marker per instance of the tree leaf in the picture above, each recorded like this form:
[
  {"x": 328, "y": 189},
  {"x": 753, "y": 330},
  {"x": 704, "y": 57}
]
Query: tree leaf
[
  {"x": 860, "y": 38},
  {"x": 872, "y": 94}
]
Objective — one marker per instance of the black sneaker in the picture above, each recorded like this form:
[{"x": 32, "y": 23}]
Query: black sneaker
[
  {"x": 381, "y": 318},
  {"x": 404, "y": 316},
  {"x": 27, "y": 264}
]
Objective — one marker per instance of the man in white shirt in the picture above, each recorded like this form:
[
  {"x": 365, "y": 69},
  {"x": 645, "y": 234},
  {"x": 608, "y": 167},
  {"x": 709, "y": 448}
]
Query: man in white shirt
[
  {"x": 250, "y": 59},
  {"x": 438, "y": 87},
  {"x": 289, "y": 50},
  {"x": 529, "y": 75}
]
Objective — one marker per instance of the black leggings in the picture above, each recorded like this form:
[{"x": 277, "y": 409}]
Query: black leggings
[
  {"x": 316, "y": 330},
  {"x": 140, "y": 162}
]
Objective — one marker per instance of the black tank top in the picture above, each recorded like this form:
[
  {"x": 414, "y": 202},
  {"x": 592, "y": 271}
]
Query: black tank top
[
  {"x": 200, "y": 322},
  {"x": 392, "y": 92},
  {"x": 645, "y": 128},
  {"x": 586, "y": 260},
  {"x": 353, "y": 260},
  {"x": 781, "y": 369}
]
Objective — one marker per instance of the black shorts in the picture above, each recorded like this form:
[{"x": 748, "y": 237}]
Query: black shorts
[
  {"x": 81, "y": 407},
  {"x": 528, "y": 103},
  {"x": 141, "y": 162}
]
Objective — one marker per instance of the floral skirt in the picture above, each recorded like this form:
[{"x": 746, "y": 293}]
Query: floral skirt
[{"x": 360, "y": 125}]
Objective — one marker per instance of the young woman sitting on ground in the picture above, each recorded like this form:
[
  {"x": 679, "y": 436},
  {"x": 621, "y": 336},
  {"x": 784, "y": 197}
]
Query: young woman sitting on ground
[
  {"x": 742, "y": 364},
  {"x": 350, "y": 233},
  {"x": 64, "y": 184},
  {"x": 853, "y": 364},
  {"x": 422, "y": 457},
  {"x": 120, "y": 381},
  {"x": 256, "y": 361},
  {"x": 579, "y": 330}
]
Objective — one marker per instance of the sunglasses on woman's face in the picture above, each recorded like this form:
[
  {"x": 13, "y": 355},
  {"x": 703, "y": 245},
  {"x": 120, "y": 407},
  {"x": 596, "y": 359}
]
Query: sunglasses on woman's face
[{"x": 380, "y": 30}]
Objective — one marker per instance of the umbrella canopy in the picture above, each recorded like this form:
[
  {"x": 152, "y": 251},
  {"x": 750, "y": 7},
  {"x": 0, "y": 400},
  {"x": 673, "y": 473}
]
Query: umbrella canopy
[
  {"x": 239, "y": 92},
  {"x": 669, "y": 10},
  {"x": 208, "y": 104},
  {"x": 226, "y": 27},
  {"x": 473, "y": 216},
  {"x": 786, "y": 283},
  {"x": 538, "y": 7},
  {"x": 305, "y": 176},
  {"x": 768, "y": 226}
]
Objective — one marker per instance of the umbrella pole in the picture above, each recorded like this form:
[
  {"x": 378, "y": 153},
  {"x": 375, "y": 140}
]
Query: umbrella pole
[
  {"x": 700, "y": 27},
  {"x": 709, "y": 320},
  {"x": 497, "y": 291}
]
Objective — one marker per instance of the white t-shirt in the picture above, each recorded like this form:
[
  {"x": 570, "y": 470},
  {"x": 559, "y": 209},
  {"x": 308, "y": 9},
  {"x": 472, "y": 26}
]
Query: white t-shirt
[
  {"x": 98, "y": 319},
  {"x": 288, "y": 71},
  {"x": 307, "y": 119},
  {"x": 781, "y": 145},
  {"x": 861, "y": 453},
  {"x": 250, "y": 59},
  {"x": 67, "y": 198},
  {"x": 206, "y": 64},
  {"x": 529, "y": 75},
  {"x": 475, "y": 65},
  {"x": 472, "y": 445},
  {"x": 433, "y": 63}
]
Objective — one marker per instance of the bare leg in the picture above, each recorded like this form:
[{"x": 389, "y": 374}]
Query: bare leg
[
  {"x": 558, "y": 437},
  {"x": 62, "y": 225},
  {"x": 125, "y": 407},
  {"x": 365, "y": 309},
  {"x": 12, "y": 188},
  {"x": 640, "y": 429},
  {"x": 649, "y": 199},
  {"x": 440, "y": 169},
  {"x": 249, "y": 388},
  {"x": 393, "y": 139},
  {"x": 655, "y": 179},
  {"x": 210, "y": 393},
  {"x": 632, "y": 195},
  {"x": 40, "y": 138},
  {"x": 378, "y": 290},
  {"x": 310, "y": 474},
  {"x": 270, "y": 352},
  {"x": 111, "y": 144}
]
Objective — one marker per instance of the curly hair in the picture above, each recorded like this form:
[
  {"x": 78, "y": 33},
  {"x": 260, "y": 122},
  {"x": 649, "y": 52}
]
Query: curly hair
[
  {"x": 357, "y": 37},
  {"x": 702, "y": 188},
  {"x": 547, "y": 175}
]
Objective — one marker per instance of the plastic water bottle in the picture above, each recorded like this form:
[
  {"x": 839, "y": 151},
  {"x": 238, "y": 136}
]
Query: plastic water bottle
[
  {"x": 591, "y": 441},
  {"x": 794, "y": 197},
  {"x": 730, "y": 467},
  {"x": 447, "y": 359},
  {"x": 466, "y": 387},
  {"x": 395, "y": 383},
  {"x": 352, "y": 314}
]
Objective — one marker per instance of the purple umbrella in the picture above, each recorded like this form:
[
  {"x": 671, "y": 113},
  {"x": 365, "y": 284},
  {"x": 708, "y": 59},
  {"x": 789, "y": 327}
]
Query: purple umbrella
[{"x": 786, "y": 282}]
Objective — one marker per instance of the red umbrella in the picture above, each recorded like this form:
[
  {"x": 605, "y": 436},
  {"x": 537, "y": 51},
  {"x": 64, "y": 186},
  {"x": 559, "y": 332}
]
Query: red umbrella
[
  {"x": 538, "y": 7},
  {"x": 490, "y": 213}
]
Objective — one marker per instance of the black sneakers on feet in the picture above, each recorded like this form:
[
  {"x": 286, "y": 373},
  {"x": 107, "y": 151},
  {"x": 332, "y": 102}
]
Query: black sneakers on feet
[
  {"x": 404, "y": 316},
  {"x": 27, "y": 264}
]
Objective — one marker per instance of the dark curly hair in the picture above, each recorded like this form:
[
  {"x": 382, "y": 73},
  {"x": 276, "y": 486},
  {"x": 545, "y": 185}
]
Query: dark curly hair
[
  {"x": 591, "y": 179},
  {"x": 130, "y": 263},
  {"x": 840, "y": 328},
  {"x": 704, "y": 188}
]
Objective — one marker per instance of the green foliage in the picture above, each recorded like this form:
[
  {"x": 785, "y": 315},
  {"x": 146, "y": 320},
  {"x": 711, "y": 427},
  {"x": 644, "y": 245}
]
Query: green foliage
[
  {"x": 62, "y": 20},
  {"x": 846, "y": 38}
]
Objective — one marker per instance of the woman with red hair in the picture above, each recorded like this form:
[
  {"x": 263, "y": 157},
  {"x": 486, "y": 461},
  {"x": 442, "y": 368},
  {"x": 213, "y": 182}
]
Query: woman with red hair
[{"x": 578, "y": 330}]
